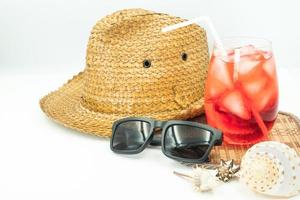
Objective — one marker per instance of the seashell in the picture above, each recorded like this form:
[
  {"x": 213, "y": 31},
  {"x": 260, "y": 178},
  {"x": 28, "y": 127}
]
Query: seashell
[
  {"x": 203, "y": 180},
  {"x": 271, "y": 168}
]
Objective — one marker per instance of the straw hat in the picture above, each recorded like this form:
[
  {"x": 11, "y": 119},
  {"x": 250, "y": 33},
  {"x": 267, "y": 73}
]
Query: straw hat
[{"x": 133, "y": 69}]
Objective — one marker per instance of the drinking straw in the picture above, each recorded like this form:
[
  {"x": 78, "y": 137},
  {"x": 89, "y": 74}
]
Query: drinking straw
[
  {"x": 254, "y": 111},
  {"x": 259, "y": 121},
  {"x": 237, "y": 55},
  {"x": 210, "y": 25}
]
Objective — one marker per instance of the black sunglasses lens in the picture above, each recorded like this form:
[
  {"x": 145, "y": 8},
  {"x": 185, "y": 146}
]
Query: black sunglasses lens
[
  {"x": 184, "y": 141},
  {"x": 130, "y": 135}
]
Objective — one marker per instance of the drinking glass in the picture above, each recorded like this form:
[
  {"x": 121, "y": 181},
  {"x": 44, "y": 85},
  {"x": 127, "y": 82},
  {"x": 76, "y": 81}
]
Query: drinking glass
[{"x": 241, "y": 92}]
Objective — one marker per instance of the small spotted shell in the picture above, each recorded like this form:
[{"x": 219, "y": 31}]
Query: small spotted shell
[{"x": 271, "y": 168}]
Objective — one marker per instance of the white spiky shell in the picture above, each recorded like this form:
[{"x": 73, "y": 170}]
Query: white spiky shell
[
  {"x": 271, "y": 168},
  {"x": 203, "y": 179}
]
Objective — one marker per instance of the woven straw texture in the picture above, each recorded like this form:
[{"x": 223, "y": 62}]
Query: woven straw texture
[
  {"x": 286, "y": 130},
  {"x": 116, "y": 83}
]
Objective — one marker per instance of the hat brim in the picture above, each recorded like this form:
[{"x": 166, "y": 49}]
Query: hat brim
[{"x": 64, "y": 107}]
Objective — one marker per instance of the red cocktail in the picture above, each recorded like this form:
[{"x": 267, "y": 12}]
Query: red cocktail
[{"x": 241, "y": 94}]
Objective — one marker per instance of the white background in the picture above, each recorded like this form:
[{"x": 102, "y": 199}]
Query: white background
[{"x": 43, "y": 43}]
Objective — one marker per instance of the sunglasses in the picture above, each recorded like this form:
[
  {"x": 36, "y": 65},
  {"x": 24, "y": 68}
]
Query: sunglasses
[{"x": 183, "y": 141}]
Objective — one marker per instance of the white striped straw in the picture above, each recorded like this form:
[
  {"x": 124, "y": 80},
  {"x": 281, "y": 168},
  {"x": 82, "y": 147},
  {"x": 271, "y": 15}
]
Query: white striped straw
[
  {"x": 236, "y": 59},
  {"x": 205, "y": 19}
]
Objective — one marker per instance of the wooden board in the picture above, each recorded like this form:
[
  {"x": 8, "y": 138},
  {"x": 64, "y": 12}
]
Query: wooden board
[{"x": 286, "y": 130}]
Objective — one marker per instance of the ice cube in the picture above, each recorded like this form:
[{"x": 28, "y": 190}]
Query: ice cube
[
  {"x": 219, "y": 77},
  {"x": 247, "y": 50},
  {"x": 214, "y": 88},
  {"x": 248, "y": 63},
  {"x": 233, "y": 102},
  {"x": 269, "y": 67},
  {"x": 267, "y": 54},
  {"x": 266, "y": 98},
  {"x": 250, "y": 57},
  {"x": 222, "y": 71},
  {"x": 255, "y": 85}
]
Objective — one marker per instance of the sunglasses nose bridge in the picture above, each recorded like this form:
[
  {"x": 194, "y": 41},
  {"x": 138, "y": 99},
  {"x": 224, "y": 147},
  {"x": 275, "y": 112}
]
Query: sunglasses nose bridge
[{"x": 159, "y": 124}]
